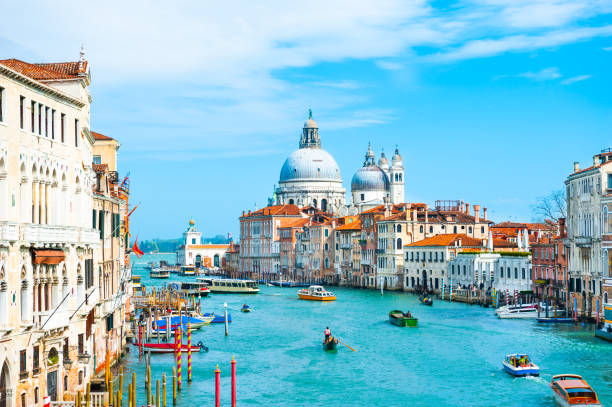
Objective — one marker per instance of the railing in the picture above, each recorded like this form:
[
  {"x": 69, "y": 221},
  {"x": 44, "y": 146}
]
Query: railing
[
  {"x": 583, "y": 241},
  {"x": 9, "y": 231},
  {"x": 57, "y": 234},
  {"x": 97, "y": 399}
]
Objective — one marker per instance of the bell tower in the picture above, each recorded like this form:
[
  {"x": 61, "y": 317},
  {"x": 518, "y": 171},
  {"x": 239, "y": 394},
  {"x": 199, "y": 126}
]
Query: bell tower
[{"x": 396, "y": 176}]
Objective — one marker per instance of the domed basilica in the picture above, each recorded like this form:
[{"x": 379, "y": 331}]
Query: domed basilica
[{"x": 310, "y": 176}]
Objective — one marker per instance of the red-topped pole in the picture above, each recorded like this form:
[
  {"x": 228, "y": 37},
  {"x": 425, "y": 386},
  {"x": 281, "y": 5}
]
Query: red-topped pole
[
  {"x": 233, "y": 382},
  {"x": 189, "y": 351},
  {"x": 217, "y": 387}
]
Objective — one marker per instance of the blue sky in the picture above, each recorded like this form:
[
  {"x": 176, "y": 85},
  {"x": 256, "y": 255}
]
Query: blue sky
[{"x": 490, "y": 101}]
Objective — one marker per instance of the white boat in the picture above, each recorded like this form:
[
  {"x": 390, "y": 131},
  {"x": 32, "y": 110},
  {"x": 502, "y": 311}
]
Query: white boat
[
  {"x": 230, "y": 285},
  {"x": 158, "y": 272},
  {"x": 525, "y": 311},
  {"x": 518, "y": 364},
  {"x": 316, "y": 293}
]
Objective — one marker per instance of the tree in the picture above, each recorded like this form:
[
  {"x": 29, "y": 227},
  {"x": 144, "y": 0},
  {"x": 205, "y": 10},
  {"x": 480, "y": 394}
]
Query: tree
[{"x": 553, "y": 206}]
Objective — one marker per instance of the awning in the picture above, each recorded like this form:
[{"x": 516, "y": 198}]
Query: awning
[{"x": 48, "y": 256}]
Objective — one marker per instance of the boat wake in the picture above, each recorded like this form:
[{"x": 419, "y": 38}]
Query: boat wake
[{"x": 537, "y": 379}]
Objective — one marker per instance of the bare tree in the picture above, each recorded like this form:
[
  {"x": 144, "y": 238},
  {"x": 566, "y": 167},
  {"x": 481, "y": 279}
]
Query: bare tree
[{"x": 553, "y": 206}]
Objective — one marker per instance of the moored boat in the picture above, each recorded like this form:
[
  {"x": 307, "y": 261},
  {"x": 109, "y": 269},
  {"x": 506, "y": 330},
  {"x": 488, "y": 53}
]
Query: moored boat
[
  {"x": 245, "y": 308},
  {"x": 605, "y": 332},
  {"x": 316, "y": 293},
  {"x": 426, "y": 300},
  {"x": 572, "y": 390},
  {"x": 555, "y": 320},
  {"x": 191, "y": 288},
  {"x": 196, "y": 322},
  {"x": 159, "y": 273},
  {"x": 399, "y": 318},
  {"x": 519, "y": 364},
  {"x": 218, "y": 319},
  {"x": 187, "y": 271},
  {"x": 168, "y": 347},
  {"x": 330, "y": 344}
]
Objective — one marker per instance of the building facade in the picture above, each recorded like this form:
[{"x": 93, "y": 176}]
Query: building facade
[
  {"x": 201, "y": 255},
  {"x": 49, "y": 289}
]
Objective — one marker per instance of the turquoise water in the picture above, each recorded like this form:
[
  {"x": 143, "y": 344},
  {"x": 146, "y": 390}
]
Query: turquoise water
[{"x": 453, "y": 357}]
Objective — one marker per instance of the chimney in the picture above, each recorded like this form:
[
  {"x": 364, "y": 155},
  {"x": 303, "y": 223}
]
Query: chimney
[
  {"x": 576, "y": 166},
  {"x": 476, "y": 213},
  {"x": 467, "y": 208},
  {"x": 242, "y": 213},
  {"x": 562, "y": 230},
  {"x": 484, "y": 213},
  {"x": 596, "y": 161}
]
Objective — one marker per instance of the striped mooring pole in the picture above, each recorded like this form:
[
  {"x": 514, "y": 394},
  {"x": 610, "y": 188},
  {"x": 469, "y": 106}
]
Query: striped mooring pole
[
  {"x": 189, "y": 351},
  {"x": 442, "y": 287},
  {"x": 507, "y": 297},
  {"x": 178, "y": 359},
  {"x": 515, "y": 297}
]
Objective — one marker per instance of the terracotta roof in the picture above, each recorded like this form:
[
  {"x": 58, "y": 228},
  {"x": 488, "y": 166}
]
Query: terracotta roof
[
  {"x": 590, "y": 168},
  {"x": 447, "y": 240},
  {"x": 350, "y": 226},
  {"x": 503, "y": 243},
  {"x": 276, "y": 210},
  {"x": 99, "y": 136},
  {"x": 208, "y": 246},
  {"x": 293, "y": 223},
  {"x": 51, "y": 71}
]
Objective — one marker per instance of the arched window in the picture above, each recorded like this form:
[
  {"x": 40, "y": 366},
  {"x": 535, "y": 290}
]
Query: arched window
[
  {"x": 399, "y": 228},
  {"x": 605, "y": 228},
  {"x": 291, "y": 202},
  {"x": 326, "y": 263},
  {"x": 216, "y": 260},
  {"x": 314, "y": 203},
  {"x": 326, "y": 247},
  {"x": 399, "y": 244},
  {"x": 324, "y": 205}
]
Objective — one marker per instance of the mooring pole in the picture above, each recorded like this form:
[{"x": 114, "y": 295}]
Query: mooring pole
[
  {"x": 217, "y": 387},
  {"x": 233, "y": 382},
  {"x": 188, "y": 350},
  {"x": 164, "y": 390},
  {"x": 173, "y": 385},
  {"x": 226, "y": 323}
]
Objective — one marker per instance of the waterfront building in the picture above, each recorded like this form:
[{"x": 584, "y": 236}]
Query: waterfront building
[
  {"x": 585, "y": 192},
  {"x": 487, "y": 269},
  {"x": 606, "y": 244},
  {"x": 310, "y": 175},
  {"x": 232, "y": 260},
  {"x": 549, "y": 264},
  {"x": 49, "y": 289},
  {"x": 110, "y": 321},
  {"x": 374, "y": 184},
  {"x": 287, "y": 246},
  {"x": 512, "y": 231},
  {"x": 201, "y": 255},
  {"x": 314, "y": 249},
  {"x": 425, "y": 263},
  {"x": 260, "y": 238},
  {"x": 348, "y": 250}
]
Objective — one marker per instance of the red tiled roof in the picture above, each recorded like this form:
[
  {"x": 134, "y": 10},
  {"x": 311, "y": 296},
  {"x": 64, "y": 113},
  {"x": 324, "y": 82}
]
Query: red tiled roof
[
  {"x": 590, "y": 168},
  {"x": 350, "y": 226},
  {"x": 50, "y": 71},
  {"x": 99, "y": 136},
  {"x": 293, "y": 223},
  {"x": 447, "y": 240},
  {"x": 276, "y": 210},
  {"x": 208, "y": 246}
]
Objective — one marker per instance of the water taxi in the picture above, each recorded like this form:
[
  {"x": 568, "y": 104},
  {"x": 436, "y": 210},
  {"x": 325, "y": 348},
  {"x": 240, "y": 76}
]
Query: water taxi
[
  {"x": 191, "y": 288},
  {"x": 399, "y": 318},
  {"x": 158, "y": 272},
  {"x": 518, "y": 364},
  {"x": 316, "y": 293},
  {"x": 572, "y": 390},
  {"x": 230, "y": 285}
]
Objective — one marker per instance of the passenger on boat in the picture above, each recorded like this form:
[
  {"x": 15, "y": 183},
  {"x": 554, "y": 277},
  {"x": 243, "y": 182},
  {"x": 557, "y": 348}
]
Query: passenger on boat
[
  {"x": 408, "y": 314},
  {"x": 327, "y": 334}
]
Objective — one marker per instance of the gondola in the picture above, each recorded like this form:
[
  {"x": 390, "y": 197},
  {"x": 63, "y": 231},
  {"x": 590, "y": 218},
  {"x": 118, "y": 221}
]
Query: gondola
[
  {"x": 426, "y": 300},
  {"x": 331, "y": 344},
  {"x": 245, "y": 308}
]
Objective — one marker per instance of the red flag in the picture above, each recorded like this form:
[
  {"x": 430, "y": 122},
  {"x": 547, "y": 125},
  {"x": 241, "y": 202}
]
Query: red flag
[{"x": 136, "y": 250}]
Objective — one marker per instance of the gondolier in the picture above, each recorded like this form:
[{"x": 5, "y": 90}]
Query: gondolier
[{"x": 327, "y": 334}]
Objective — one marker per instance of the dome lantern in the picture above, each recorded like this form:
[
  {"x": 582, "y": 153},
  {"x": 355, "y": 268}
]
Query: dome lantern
[{"x": 310, "y": 133}]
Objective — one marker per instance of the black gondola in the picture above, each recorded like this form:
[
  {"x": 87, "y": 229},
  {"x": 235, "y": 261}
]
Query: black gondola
[
  {"x": 426, "y": 300},
  {"x": 331, "y": 344}
]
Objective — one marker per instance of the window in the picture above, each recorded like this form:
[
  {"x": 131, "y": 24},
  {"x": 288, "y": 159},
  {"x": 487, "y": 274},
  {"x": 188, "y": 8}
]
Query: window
[
  {"x": 66, "y": 383},
  {"x": 94, "y": 216},
  {"x": 326, "y": 233},
  {"x": 363, "y": 197},
  {"x": 464, "y": 272},
  {"x": 76, "y": 132},
  {"x": 421, "y": 229},
  {"x": 53, "y": 124},
  {"x": 431, "y": 229},
  {"x": 62, "y": 126},
  {"x": 36, "y": 358},
  {"x": 23, "y": 400},
  {"x": 40, "y": 110},
  {"x": 21, "y": 107},
  {"x": 535, "y": 253},
  {"x": 66, "y": 350},
  {"x": 1, "y": 104},
  {"x": 33, "y": 115},
  {"x": 193, "y": 241},
  {"x": 101, "y": 224},
  {"x": 515, "y": 273},
  {"x": 453, "y": 269},
  {"x": 454, "y": 229},
  {"x": 81, "y": 344},
  {"x": 109, "y": 323},
  {"x": 609, "y": 181},
  {"x": 89, "y": 273},
  {"x": 523, "y": 273},
  {"x": 36, "y": 395},
  {"x": 46, "y": 121},
  {"x": 399, "y": 244},
  {"x": 22, "y": 361},
  {"x": 470, "y": 229}
]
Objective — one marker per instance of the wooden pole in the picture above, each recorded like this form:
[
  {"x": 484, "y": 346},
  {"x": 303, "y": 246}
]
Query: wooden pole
[
  {"x": 148, "y": 384},
  {"x": 110, "y": 386},
  {"x": 120, "y": 383},
  {"x": 179, "y": 358},
  {"x": 130, "y": 395},
  {"x": 164, "y": 390},
  {"x": 157, "y": 393},
  {"x": 133, "y": 389},
  {"x": 78, "y": 399},
  {"x": 173, "y": 385},
  {"x": 88, "y": 395}
]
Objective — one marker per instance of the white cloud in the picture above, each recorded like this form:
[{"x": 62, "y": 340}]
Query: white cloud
[
  {"x": 545, "y": 74},
  {"x": 607, "y": 49},
  {"x": 390, "y": 65},
  {"x": 575, "y": 79}
]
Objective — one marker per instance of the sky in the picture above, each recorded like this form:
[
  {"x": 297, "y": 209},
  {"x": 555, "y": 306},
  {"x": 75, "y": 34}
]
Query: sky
[{"x": 489, "y": 101}]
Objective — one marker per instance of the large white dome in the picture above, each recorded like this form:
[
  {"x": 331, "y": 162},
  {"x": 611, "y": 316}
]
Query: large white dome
[{"x": 309, "y": 164}]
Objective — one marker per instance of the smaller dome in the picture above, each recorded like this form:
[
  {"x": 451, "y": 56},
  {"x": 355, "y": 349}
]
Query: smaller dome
[
  {"x": 370, "y": 178},
  {"x": 310, "y": 124},
  {"x": 383, "y": 162},
  {"x": 396, "y": 157}
]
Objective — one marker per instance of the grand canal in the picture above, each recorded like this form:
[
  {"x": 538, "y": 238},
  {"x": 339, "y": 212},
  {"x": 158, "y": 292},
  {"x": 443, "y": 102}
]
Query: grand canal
[{"x": 453, "y": 357}]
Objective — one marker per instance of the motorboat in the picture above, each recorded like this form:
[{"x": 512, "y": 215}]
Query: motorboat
[
  {"x": 519, "y": 364},
  {"x": 191, "y": 288},
  {"x": 136, "y": 285},
  {"x": 196, "y": 322},
  {"x": 605, "y": 331},
  {"x": 316, "y": 293},
  {"x": 187, "y": 271},
  {"x": 572, "y": 390},
  {"x": 230, "y": 285},
  {"x": 399, "y": 318}
]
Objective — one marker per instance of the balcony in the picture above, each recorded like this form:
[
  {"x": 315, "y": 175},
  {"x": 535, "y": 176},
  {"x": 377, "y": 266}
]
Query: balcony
[
  {"x": 380, "y": 251},
  {"x": 583, "y": 241},
  {"x": 41, "y": 234},
  {"x": 24, "y": 375},
  {"x": 9, "y": 231},
  {"x": 363, "y": 242}
]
